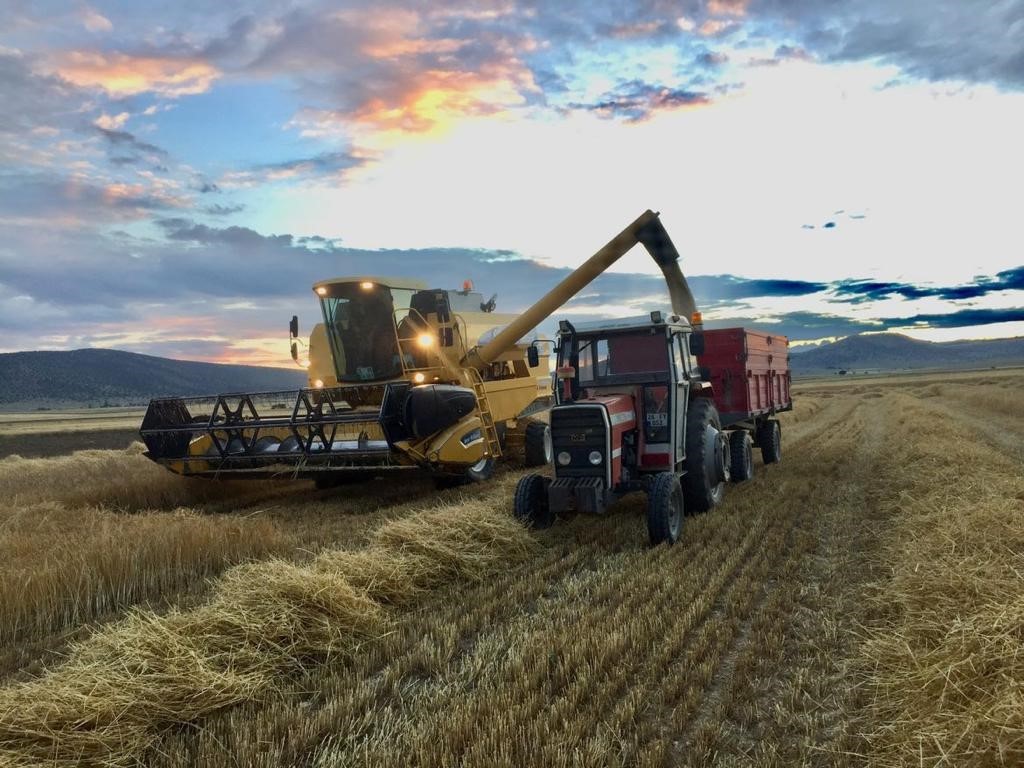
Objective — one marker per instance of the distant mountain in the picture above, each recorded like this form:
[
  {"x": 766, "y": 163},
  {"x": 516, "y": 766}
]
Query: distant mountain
[
  {"x": 112, "y": 377},
  {"x": 894, "y": 352}
]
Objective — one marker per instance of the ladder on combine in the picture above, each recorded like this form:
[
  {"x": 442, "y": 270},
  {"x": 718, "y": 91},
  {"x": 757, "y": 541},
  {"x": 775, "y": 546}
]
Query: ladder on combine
[{"x": 489, "y": 429}]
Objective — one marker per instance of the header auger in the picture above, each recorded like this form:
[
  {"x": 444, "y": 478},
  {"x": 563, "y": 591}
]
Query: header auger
[{"x": 401, "y": 376}]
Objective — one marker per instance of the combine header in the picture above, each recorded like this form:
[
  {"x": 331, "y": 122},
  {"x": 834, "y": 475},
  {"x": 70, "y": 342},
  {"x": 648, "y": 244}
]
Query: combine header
[{"x": 401, "y": 376}]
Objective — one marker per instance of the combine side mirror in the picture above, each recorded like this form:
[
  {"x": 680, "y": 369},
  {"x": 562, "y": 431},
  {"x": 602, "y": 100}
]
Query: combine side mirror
[
  {"x": 697, "y": 344},
  {"x": 445, "y": 337},
  {"x": 293, "y": 329},
  {"x": 295, "y": 351},
  {"x": 532, "y": 356}
]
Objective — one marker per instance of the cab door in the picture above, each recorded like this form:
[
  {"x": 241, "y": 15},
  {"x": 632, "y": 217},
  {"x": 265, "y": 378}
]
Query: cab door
[{"x": 681, "y": 373}]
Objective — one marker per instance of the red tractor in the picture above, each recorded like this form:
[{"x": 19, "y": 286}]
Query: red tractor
[{"x": 636, "y": 412}]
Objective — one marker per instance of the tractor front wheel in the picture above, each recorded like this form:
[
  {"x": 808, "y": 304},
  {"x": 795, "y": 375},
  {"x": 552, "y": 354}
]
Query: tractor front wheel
[
  {"x": 537, "y": 449},
  {"x": 664, "y": 509},
  {"x": 530, "y": 503}
]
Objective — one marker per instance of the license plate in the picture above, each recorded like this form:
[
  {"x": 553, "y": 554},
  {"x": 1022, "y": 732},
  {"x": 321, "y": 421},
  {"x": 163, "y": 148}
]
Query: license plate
[{"x": 657, "y": 419}]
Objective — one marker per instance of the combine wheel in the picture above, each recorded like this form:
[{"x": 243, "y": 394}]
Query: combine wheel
[
  {"x": 707, "y": 457},
  {"x": 664, "y": 509},
  {"x": 769, "y": 437},
  {"x": 538, "y": 450},
  {"x": 741, "y": 448},
  {"x": 531, "y": 502},
  {"x": 482, "y": 470}
]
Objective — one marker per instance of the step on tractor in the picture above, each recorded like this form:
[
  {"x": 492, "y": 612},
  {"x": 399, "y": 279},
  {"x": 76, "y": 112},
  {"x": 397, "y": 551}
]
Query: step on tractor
[
  {"x": 635, "y": 411},
  {"x": 401, "y": 377}
]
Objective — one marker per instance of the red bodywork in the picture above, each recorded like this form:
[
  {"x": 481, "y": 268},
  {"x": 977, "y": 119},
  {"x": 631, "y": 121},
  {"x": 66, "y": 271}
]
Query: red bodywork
[
  {"x": 749, "y": 371},
  {"x": 622, "y": 417}
]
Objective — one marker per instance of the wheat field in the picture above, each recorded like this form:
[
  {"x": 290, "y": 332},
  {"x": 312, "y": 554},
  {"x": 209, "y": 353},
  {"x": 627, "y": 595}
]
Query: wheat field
[{"x": 860, "y": 603}]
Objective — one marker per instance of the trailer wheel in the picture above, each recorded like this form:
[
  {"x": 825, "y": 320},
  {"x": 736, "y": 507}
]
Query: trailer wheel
[
  {"x": 769, "y": 437},
  {"x": 741, "y": 449},
  {"x": 707, "y": 457},
  {"x": 538, "y": 451},
  {"x": 530, "y": 503},
  {"x": 482, "y": 470},
  {"x": 664, "y": 509}
]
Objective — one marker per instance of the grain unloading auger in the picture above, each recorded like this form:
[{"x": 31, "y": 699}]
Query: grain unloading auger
[{"x": 401, "y": 377}]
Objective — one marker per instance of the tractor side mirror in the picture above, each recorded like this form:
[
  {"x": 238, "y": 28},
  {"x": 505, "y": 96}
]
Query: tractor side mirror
[
  {"x": 532, "y": 356},
  {"x": 445, "y": 337},
  {"x": 293, "y": 330},
  {"x": 697, "y": 344},
  {"x": 295, "y": 351}
]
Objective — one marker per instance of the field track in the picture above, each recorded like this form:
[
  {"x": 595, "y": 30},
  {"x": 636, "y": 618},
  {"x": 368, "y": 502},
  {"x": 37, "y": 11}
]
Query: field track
[{"x": 858, "y": 604}]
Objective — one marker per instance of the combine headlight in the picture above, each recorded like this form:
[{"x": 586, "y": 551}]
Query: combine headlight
[
  {"x": 366, "y": 285},
  {"x": 418, "y": 378},
  {"x": 564, "y": 458},
  {"x": 321, "y": 291},
  {"x": 595, "y": 457},
  {"x": 425, "y": 340},
  {"x": 319, "y": 383}
]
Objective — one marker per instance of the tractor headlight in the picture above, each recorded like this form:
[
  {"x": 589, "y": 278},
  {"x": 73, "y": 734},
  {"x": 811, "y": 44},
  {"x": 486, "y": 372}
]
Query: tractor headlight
[
  {"x": 595, "y": 457},
  {"x": 564, "y": 458}
]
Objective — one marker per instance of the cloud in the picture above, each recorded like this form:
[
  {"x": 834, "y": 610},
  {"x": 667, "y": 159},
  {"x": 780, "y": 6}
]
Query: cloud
[
  {"x": 123, "y": 74},
  {"x": 112, "y": 122},
  {"x": 222, "y": 210},
  {"x": 859, "y": 291},
  {"x": 126, "y": 148},
  {"x": 942, "y": 40},
  {"x": 636, "y": 101},
  {"x": 323, "y": 164},
  {"x": 93, "y": 20},
  {"x": 31, "y": 100}
]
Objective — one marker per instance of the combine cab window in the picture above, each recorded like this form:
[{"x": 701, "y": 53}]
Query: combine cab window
[{"x": 360, "y": 324}]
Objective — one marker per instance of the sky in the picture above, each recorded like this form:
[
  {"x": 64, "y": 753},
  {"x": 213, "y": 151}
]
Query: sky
[{"x": 174, "y": 177}]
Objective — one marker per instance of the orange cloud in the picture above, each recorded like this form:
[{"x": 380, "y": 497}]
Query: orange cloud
[
  {"x": 728, "y": 7},
  {"x": 121, "y": 74}
]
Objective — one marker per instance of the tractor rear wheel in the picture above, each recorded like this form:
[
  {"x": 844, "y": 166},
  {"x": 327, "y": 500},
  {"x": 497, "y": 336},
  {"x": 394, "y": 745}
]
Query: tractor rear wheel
[
  {"x": 530, "y": 502},
  {"x": 482, "y": 470},
  {"x": 664, "y": 509},
  {"x": 537, "y": 450},
  {"x": 707, "y": 457},
  {"x": 741, "y": 447},
  {"x": 769, "y": 437}
]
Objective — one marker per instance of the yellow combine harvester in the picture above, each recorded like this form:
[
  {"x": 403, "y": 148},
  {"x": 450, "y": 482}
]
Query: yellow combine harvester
[{"x": 401, "y": 377}]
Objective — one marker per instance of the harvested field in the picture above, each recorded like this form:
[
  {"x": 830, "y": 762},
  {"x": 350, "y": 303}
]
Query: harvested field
[{"x": 858, "y": 604}]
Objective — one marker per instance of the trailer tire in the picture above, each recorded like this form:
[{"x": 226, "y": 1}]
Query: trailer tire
[
  {"x": 741, "y": 449},
  {"x": 530, "y": 502},
  {"x": 665, "y": 508},
  {"x": 537, "y": 450},
  {"x": 769, "y": 437},
  {"x": 707, "y": 465},
  {"x": 478, "y": 473}
]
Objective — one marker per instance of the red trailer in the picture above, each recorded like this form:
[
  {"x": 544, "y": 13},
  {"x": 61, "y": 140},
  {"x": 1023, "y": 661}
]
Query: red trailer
[{"x": 749, "y": 371}]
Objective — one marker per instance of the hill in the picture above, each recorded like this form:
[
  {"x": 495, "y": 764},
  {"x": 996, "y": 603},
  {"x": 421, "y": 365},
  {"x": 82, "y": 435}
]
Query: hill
[
  {"x": 894, "y": 352},
  {"x": 109, "y": 376}
]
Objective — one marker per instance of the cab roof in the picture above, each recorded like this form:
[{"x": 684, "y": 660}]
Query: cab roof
[
  {"x": 628, "y": 323},
  {"x": 390, "y": 282}
]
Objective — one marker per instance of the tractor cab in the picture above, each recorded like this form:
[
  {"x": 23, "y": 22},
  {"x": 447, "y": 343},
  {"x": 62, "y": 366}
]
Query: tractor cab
[{"x": 640, "y": 364}]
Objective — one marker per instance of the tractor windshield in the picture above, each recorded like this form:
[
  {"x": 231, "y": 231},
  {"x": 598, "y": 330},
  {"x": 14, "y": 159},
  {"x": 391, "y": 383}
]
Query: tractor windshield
[
  {"x": 620, "y": 356},
  {"x": 360, "y": 322}
]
